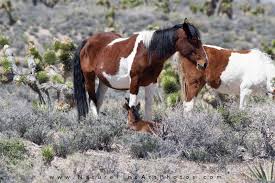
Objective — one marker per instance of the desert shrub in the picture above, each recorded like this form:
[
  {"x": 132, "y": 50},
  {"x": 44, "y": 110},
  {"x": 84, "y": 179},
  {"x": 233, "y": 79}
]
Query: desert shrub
[
  {"x": 38, "y": 130},
  {"x": 3, "y": 41},
  {"x": 169, "y": 84},
  {"x": 62, "y": 142},
  {"x": 269, "y": 48},
  {"x": 258, "y": 11},
  {"x": 235, "y": 118},
  {"x": 142, "y": 145},
  {"x": 130, "y": 3},
  {"x": 50, "y": 57},
  {"x": 47, "y": 153},
  {"x": 12, "y": 149},
  {"x": 42, "y": 77},
  {"x": 173, "y": 98}
]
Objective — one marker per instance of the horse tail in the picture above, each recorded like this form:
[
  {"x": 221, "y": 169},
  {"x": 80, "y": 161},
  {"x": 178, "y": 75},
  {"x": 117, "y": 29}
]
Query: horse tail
[{"x": 79, "y": 84}]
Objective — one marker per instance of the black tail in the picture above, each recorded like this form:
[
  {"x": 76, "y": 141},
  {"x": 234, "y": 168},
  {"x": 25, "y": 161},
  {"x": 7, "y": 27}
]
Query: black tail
[{"x": 79, "y": 84}]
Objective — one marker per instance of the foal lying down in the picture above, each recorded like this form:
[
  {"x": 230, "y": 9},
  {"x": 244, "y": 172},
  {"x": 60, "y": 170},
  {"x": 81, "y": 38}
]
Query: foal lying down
[
  {"x": 135, "y": 122},
  {"x": 230, "y": 71}
]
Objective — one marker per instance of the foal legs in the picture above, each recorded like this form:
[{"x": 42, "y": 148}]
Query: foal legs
[
  {"x": 100, "y": 92},
  {"x": 149, "y": 94}
]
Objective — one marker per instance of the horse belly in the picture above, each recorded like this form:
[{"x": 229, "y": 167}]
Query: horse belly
[
  {"x": 121, "y": 80},
  {"x": 231, "y": 79}
]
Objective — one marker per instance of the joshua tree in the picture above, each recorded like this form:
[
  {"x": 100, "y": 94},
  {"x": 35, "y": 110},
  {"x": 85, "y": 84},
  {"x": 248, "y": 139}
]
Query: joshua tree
[{"x": 7, "y": 6}]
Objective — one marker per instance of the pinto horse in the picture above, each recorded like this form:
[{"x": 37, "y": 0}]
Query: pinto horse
[
  {"x": 229, "y": 71},
  {"x": 128, "y": 63}
]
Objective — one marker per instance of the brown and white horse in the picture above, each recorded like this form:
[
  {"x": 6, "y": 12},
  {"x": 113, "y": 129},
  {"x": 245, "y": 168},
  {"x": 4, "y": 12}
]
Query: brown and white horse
[
  {"x": 128, "y": 63},
  {"x": 229, "y": 71}
]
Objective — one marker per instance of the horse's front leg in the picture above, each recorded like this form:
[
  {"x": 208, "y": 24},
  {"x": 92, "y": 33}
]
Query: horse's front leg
[
  {"x": 149, "y": 95},
  {"x": 134, "y": 88}
]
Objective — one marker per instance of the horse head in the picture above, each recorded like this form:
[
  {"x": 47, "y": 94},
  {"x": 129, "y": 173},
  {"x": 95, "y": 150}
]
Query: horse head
[{"x": 189, "y": 44}]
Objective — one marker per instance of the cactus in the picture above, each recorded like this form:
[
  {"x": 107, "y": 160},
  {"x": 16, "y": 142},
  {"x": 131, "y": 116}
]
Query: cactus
[{"x": 50, "y": 57}]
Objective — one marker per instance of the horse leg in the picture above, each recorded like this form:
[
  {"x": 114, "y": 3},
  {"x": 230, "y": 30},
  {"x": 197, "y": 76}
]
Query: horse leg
[
  {"x": 149, "y": 94},
  {"x": 191, "y": 92},
  {"x": 100, "y": 92},
  {"x": 134, "y": 87},
  {"x": 245, "y": 91},
  {"x": 90, "y": 87}
]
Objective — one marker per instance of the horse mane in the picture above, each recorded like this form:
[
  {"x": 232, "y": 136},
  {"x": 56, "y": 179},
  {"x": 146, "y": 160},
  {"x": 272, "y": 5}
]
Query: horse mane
[{"x": 163, "y": 41}]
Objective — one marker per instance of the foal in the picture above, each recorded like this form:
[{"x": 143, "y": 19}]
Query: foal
[
  {"x": 136, "y": 123},
  {"x": 129, "y": 63},
  {"x": 230, "y": 71}
]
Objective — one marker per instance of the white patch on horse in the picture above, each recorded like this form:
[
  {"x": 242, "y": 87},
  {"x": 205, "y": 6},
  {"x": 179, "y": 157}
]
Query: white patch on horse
[
  {"x": 122, "y": 79},
  {"x": 244, "y": 72},
  {"x": 117, "y": 41},
  {"x": 213, "y": 46}
]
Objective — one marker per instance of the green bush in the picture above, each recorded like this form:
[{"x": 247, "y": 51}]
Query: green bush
[
  {"x": 42, "y": 77},
  {"x": 169, "y": 84},
  {"x": 130, "y": 3},
  {"x": 258, "y": 11},
  {"x": 50, "y": 57},
  {"x": 12, "y": 149},
  {"x": 173, "y": 98},
  {"x": 57, "y": 78},
  {"x": 3, "y": 41},
  {"x": 47, "y": 153},
  {"x": 7, "y": 66},
  {"x": 35, "y": 53},
  {"x": 69, "y": 84}
]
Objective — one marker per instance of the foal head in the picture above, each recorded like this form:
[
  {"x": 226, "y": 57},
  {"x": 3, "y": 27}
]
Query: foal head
[
  {"x": 189, "y": 44},
  {"x": 132, "y": 112}
]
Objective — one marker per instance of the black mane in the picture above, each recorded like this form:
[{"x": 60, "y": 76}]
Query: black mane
[{"x": 163, "y": 42}]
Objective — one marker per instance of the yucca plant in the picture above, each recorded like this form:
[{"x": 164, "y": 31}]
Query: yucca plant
[{"x": 261, "y": 174}]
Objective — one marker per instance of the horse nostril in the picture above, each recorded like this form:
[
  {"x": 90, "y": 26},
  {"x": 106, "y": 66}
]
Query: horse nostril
[{"x": 204, "y": 65}]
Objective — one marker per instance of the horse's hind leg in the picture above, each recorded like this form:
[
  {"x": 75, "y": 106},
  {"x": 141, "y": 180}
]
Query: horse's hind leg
[
  {"x": 245, "y": 91},
  {"x": 90, "y": 87},
  {"x": 100, "y": 92}
]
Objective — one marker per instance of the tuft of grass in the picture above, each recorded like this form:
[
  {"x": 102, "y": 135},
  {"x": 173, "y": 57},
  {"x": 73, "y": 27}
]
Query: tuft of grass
[
  {"x": 12, "y": 149},
  {"x": 3, "y": 41},
  {"x": 262, "y": 174},
  {"x": 47, "y": 153},
  {"x": 7, "y": 66}
]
